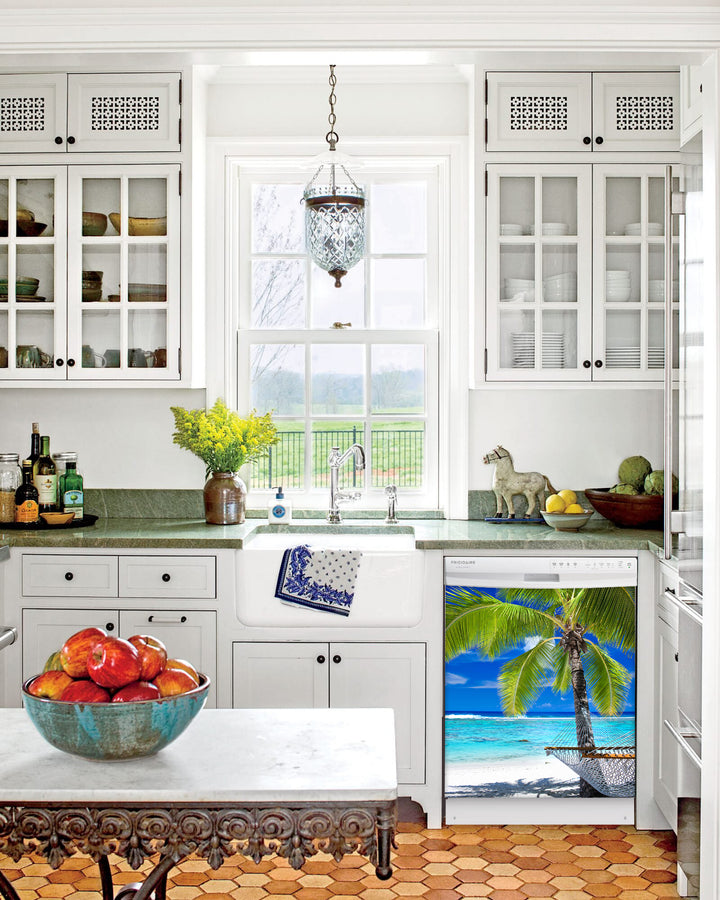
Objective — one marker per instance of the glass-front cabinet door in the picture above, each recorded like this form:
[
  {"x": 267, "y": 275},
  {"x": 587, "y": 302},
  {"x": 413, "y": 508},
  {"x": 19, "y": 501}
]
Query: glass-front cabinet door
[
  {"x": 629, "y": 273},
  {"x": 32, "y": 273},
  {"x": 124, "y": 272},
  {"x": 539, "y": 267}
]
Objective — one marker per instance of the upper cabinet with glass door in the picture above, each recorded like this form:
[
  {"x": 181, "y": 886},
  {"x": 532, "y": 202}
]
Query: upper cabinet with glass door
[
  {"x": 124, "y": 272},
  {"x": 111, "y": 113},
  {"x": 539, "y": 273},
  {"x": 32, "y": 273},
  {"x": 583, "y": 111},
  {"x": 629, "y": 265}
]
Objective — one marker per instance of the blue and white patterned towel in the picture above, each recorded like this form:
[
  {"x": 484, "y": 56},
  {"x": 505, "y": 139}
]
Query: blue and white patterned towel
[{"x": 318, "y": 579}]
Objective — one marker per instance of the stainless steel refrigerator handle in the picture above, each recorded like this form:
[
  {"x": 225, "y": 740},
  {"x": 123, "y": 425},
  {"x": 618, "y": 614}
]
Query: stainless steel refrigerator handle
[
  {"x": 687, "y": 607},
  {"x": 8, "y": 636},
  {"x": 667, "y": 381},
  {"x": 682, "y": 740}
]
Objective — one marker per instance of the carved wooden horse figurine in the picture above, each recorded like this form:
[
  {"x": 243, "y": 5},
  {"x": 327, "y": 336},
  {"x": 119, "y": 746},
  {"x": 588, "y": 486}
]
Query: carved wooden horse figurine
[{"x": 507, "y": 482}]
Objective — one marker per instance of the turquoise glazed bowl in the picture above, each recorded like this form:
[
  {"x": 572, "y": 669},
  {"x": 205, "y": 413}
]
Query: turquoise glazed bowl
[{"x": 106, "y": 731}]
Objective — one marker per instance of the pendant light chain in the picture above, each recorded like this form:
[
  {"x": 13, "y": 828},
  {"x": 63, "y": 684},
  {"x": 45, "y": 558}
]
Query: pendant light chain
[{"x": 332, "y": 137}]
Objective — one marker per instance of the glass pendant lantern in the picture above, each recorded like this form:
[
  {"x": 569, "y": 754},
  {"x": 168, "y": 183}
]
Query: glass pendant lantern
[{"x": 334, "y": 209}]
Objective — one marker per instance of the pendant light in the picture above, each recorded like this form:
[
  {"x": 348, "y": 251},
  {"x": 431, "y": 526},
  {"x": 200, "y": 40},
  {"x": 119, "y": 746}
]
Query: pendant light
[{"x": 334, "y": 208}]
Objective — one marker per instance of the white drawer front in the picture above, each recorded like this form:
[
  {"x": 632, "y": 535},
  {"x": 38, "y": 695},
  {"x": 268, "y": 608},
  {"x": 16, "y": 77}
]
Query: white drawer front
[
  {"x": 168, "y": 576},
  {"x": 69, "y": 576}
]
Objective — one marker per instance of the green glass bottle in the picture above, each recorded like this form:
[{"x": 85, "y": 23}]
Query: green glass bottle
[
  {"x": 34, "y": 447},
  {"x": 45, "y": 477},
  {"x": 71, "y": 490}
]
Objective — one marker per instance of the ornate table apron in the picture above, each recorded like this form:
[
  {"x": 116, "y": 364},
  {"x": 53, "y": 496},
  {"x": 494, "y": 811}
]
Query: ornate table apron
[{"x": 212, "y": 831}]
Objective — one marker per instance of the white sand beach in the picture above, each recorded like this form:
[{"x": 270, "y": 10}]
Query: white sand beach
[{"x": 523, "y": 778}]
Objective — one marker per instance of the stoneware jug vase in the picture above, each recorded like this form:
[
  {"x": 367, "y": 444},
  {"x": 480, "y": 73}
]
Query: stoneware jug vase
[{"x": 224, "y": 495}]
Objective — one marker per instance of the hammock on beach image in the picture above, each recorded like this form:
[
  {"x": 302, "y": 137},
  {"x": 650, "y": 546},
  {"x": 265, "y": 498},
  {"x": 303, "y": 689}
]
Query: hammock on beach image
[{"x": 609, "y": 769}]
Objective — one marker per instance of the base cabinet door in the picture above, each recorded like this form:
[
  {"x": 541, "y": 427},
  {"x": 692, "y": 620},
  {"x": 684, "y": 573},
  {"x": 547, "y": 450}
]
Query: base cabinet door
[
  {"x": 667, "y": 752},
  {"x": 290, "y": 675},
  {"x": 44, "y": 631}
]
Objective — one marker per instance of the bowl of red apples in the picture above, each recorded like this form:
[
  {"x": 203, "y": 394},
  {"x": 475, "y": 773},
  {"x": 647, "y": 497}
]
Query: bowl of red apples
[{"x": 103, "y": 697}]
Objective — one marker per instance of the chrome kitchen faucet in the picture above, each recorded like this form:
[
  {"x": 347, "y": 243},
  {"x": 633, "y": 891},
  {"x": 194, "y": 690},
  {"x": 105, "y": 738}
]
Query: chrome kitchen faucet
[{"x": 335, "y": 460}]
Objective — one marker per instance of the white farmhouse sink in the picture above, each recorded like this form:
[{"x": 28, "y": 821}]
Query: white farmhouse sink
[{"x": 388, "y": 592}]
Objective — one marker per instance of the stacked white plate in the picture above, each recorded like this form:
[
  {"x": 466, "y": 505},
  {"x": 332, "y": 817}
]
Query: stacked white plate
[
  {"x": 656, "y": 357},
  {"x": 617, "y": 285},
  {"x": 556, "y": 228},
  {"x": 523, "y": 350},
  {"x": 622, "y": 357},
  {"x": 560, "y": 288},
  {"x": 653, "y": 229},
  {"x": 656, "y": 290},
  {"x": 519, "y": 289},
  {"x": 510, "y": 229}
]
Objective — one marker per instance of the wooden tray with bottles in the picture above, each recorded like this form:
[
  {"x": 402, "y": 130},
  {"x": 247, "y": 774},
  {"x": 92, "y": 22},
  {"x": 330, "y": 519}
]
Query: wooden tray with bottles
[{"x": 86, "y": 521}]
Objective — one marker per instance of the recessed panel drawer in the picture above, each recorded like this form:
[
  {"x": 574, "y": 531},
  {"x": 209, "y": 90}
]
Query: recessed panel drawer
[
  {"x": 50, "y": 575},
  {"x": 168, "y": 576}
]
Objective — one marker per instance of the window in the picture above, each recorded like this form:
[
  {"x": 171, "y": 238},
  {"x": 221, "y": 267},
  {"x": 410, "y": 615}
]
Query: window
[{"x": 337, "y": 366}]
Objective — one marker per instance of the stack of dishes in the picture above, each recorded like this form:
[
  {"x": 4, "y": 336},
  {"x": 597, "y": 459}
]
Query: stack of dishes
[
  {"x": 25, "y": 289},
  {"x": 617, "y": 285},
  {"x": 508, "y": 229},
  {"x": 523, "y": 350},
  {"x": 560, "y": 288},
  {"x": 656, "y": 357},
  {"x": 555, "y": 228},
  {"x": 656, "y": 290},
  {"x": 622, "y": 357},
  {"x": 147, "y": 293},
  {"x": 91, "y": 286},
  {"x": 654, "y": 229},
  {"x": 519, "y": 289}
]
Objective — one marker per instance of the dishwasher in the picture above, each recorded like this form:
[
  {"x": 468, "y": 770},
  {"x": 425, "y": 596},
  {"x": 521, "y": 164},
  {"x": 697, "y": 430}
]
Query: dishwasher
[{"x": 539, "y": 722}]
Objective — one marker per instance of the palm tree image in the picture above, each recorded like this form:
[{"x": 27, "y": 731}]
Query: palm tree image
[{"x": 560, "y": 635}]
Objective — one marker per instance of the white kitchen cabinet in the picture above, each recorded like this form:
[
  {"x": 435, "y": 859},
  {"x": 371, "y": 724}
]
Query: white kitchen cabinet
[
  {"x": 69, "y": 575},
  {"x": 167, "y": 576},
  {"x": 81, "y": 113},
  {"x": 187, "y": 634},
  {"x": 666, "y": 751},
  {"x": 106, "y": 302},
  {"x": 551, "y": 111},
  {"x": 690, "y": 102},
  {"x": 575, "y": 273},
  {"x": 343, "y": 675}
]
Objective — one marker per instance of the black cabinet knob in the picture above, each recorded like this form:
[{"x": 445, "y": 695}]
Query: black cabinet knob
[
  {"x": 676, "y": 658},
  {"x": 59, "y": 362},
  {"x": 71, "y": 140},
  {"x": 165, "y": 577},
  {"x": 586, "y": 363},
  {"x": 321, "y": 659},
  {"x": 598, "y": 140},
  {"x": 69, "y": 576},
  {"x": 109, "y": 626},
  {"x": 71, "y": 363},
  {"x": 598, "y": 364},
  {"x": 587, "y": 140},
  {"x": 58, "y": 140},
  {"x": 337, "y": 658}
]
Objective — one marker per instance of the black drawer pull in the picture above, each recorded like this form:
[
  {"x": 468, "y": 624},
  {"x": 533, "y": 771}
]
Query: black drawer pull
[
  {"x": 71, "y": 140},
  {"x": 321, "y": 659},
  {"x": 587, "y": 363},
  {"x": 587, "y": 140},
  {"x": 163, "y": 621},
  {"x": 598, "y": 364},
  {"x": 58, "y": 140},
  {"x": 110, "y": 626},
  {"x": 69, "y": 576},
  {"x": 598, "y": 140},
  {"x": 165, "y": 577},
  {"x": 337, "y": 658}
]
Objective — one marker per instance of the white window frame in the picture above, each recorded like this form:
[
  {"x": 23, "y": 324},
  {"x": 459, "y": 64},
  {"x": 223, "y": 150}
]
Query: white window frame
[{"x": 446, "y": 436}]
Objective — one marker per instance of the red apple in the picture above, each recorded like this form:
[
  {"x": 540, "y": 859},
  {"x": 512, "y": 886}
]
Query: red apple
[
  {"x": 153, "y": 655},
  {"x": 76, "y": 649},
  {"x": 113, "y": 663},
  {"x": 85, "y": 691},
  {"x": 136, "y": 690},
  {"x": 50, "y": 684},
  {"x": 185, "y": 666},
  {"x": 174, "y": 681}
]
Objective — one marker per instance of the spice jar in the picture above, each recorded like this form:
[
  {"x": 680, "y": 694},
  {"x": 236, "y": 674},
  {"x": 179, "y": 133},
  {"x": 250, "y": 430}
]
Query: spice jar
[
  {"x": 10, "y": 479},
  {"x": 61, "y": 460}
]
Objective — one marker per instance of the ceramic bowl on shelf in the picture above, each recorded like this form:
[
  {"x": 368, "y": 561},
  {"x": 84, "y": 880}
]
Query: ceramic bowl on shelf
[
  {"x": 140, "y": 227},
  {"x": 94, "y": 224},
  {"x": 129, "y": 730},
  {"x": 24, "y": 286},
  {"x": 567, "y": 521},
  {"x": 26, "y": 228}
]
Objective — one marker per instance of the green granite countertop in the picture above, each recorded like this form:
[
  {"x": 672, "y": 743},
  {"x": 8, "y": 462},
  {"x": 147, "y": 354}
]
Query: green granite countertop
[{"x": 430, "y": 534}]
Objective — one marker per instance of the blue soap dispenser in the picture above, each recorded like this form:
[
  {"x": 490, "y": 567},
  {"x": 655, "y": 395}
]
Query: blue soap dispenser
[{"x": 280, "y": 509}]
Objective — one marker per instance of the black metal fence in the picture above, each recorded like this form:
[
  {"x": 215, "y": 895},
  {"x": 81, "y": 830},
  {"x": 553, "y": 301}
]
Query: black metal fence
[{"x": 396, "y": 456}]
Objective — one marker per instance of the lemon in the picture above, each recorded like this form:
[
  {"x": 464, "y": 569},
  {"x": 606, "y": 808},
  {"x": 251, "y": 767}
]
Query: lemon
[
  {"x": 574, "y": 508},
  {"x": 568, "y": 496},
  {"x": 554, "y": 504}
]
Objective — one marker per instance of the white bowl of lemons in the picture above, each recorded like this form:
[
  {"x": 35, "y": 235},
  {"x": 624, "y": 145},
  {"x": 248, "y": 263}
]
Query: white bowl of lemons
[{"x": 563, "y": 513}]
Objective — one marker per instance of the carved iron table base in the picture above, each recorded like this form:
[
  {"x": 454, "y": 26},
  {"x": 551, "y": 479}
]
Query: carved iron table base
[{"x": 213, "y": 832}]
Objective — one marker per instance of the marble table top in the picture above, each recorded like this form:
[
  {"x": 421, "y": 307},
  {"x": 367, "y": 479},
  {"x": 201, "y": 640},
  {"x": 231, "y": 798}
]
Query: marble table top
[{"x": 224, "y": 756}]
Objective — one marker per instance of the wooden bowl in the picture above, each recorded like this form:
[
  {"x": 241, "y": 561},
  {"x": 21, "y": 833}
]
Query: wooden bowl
[
  {"x": 57, "y": 518},
  {"x": 140, "y": 227},
  {"x": 30, "y": 229},
  {"x": 94, "y": 224},
  {"x": 627, "y": 510}
]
